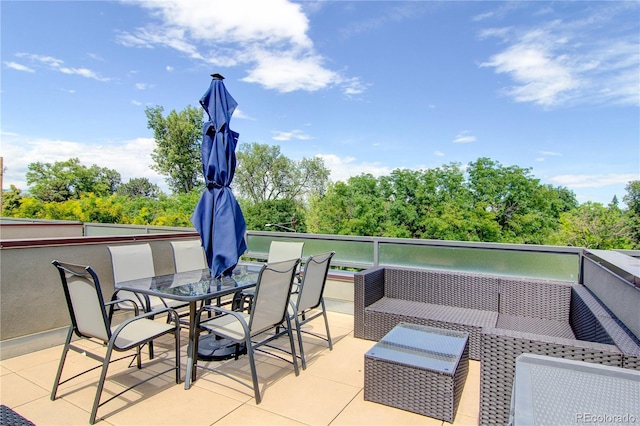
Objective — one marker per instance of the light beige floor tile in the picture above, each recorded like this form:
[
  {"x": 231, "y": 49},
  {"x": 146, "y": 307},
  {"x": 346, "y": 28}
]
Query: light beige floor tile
[
  {"x": 29, "y": 360},
  {"x": 43, "y": 411},
  {"x": 248, "y": 415},
  {"x": 470, "y": 400},
  {"x": 344, "y": 364},
  {"x": 308, "y": 399},
  {"x": 176, "y": 406},
  {"x": 43, "y": 374},
  {"x": 82, "y": 393},
  {"x": 268, "y": 369},
  {"x": 340, "y": 320},
  {"x": 361, "y": 412},
  {"x": 16, "y": 390},
  {"x": 334, "y": 380},
  {"x": 464, "y": 420},
  {"x": 4, "y": 370}
]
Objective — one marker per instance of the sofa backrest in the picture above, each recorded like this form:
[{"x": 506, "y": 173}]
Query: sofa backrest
[
  {"x": 473, "y": 291},
  {"x": 532, "y": 298},
  {"x": 593, "y": 322}
]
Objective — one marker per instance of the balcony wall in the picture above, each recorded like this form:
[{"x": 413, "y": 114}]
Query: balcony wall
[{"x": 33, "y": 314}]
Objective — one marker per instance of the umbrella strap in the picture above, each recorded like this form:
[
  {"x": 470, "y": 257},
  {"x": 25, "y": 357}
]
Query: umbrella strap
[{"x": 212, "y": 185}]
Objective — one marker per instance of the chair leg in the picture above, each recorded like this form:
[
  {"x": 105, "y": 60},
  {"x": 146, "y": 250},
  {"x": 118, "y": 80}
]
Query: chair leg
[
  {"x": 299, "y": 333},
  {"x": 139, "y": 356},
  {"x": 63, "y": 358},
  {"x": 293, "y": 346},
  {"x": 254, "y": 373},
  {"x": 103, "y": 375},
  {"x": 177, "y": 338},
  {"x": 326, "y": 324}
]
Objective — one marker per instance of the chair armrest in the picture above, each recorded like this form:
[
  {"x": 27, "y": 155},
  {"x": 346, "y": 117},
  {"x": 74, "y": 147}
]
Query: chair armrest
[
  {"x": 238, "y": 315},
  {"x": 147, "y": 315},
  {"x": 136, "y": 309}
]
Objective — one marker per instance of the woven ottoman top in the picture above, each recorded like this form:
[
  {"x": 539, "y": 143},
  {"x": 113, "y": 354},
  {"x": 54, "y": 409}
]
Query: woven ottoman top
[{"x": 420, "y": 346}]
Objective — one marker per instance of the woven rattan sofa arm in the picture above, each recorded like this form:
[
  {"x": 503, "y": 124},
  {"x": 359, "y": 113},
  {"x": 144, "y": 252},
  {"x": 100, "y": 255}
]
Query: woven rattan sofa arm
[
  {"x": 500, "y": 348},
  {"x": 368, "y": 287}
]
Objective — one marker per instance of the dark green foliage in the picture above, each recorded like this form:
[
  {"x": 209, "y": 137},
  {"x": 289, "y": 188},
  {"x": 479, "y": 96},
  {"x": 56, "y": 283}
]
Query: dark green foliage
[
  {"x": 68, "y": 180},
  {"x": 275, "y": 215},
  {"x": 139, "y": 187},
  {"x": 484, "y": 201},
  {"x": 178, "y": 139}
]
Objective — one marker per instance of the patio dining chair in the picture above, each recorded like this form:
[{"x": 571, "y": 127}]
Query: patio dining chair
[
  {"x": 132, "y": 262},
  {"x": 89, "y": 320},
  {"x": 279, "y": 251},
  {"x": 271, "y": 299},
  {"x": 309, "y": 303},
  {"x": 188, "y": 255}
]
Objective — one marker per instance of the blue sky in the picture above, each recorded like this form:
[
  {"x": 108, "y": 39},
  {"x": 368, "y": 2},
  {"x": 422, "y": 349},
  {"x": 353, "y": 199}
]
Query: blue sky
[{"x": 370, "y": 86}]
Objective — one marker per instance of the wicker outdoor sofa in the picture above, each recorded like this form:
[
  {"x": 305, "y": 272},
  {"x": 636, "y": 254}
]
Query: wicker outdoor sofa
[{"x": 504, "y": 316}]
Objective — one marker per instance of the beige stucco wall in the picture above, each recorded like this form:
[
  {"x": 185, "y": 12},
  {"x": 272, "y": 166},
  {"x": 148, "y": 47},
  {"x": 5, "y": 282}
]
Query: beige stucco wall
[{"x": 33, "y": 312}]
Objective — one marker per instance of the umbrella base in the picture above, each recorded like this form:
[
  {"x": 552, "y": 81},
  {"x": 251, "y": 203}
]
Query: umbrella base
[{"x": 213, "y": 348}]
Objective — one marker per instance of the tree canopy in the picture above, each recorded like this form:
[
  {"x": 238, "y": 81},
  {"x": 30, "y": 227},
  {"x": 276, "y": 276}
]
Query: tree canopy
[
  {"x": 482, "y": 201},
  {"x": 68, "y": 180},
  {"x": 178, "y": 139},
  {"x": 488, "y": 202},
  {"x": 265, "y": 174}
]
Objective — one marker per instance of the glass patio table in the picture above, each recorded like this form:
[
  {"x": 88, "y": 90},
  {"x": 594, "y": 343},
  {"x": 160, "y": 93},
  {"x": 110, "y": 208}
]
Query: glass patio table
[{"x": 193, "y": 287}]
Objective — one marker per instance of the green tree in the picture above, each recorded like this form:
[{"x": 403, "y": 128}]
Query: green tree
[
  {"x": 526, "y": 211},
  {"x": 593, "y": 225},
  {"x": 349, "y": 208},
  {"x": 66, "y": 180},
  {"x": 11, "y": 201},
  {"x": 632, "y": 215},
  {"x": 178, "y": 138},
  {"x": 275, "y": 215},
  {"x": 139, "y": 187},
  {"x": 265, "y": 174}
]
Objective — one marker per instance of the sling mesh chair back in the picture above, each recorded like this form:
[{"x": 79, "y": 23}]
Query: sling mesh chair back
[
  {"x": 272, "y": 294},
  {"x": 132, "y": 262},
  {"x": 279, "y": 251},
  {"x": 309, "y": 303},
  {"x": 89, "y": 320},
  {"x": 188, "y": 255}
]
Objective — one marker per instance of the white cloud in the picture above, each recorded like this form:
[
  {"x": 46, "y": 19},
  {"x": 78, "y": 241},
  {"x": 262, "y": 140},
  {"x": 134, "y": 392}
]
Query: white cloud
[
  {"x": 579, "y": 61},
  {"x": 593, "y": 181},
  {"x": 142, "y": 86},
  {"x": 131, "y": 158},
  {"x": 289, "y": 71},
  {"x": 271, "y": 42},
  {"x": 57, "y": 65},
  {"x": 438, "y": 154},
  {"x": 238, "y": 113},
  {"x": 540, "y": 76},
  {"x": 550, "y": 153},
  {"x": 464, "y": 137},
  {"x": 18, "y": 67},
  {"x": 342, "y": 168},
  {"x": 294, "y": 134}
]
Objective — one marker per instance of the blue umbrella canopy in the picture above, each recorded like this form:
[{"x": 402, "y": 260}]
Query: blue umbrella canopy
[{"x": 218, "y": 217}]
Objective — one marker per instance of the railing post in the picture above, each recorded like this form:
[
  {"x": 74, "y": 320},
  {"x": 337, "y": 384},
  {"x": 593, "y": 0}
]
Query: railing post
[{"x": 376, "y": 252}]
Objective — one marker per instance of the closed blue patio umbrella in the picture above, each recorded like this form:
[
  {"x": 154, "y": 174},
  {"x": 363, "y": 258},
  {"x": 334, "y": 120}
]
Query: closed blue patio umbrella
[{"x": 218, "y": 217}]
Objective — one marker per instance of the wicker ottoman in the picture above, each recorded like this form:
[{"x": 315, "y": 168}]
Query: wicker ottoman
[{"x": 419, "y": 369}]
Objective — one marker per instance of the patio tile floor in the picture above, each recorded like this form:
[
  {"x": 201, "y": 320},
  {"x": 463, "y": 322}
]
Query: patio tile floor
[{"x": 328, "y": 392}]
